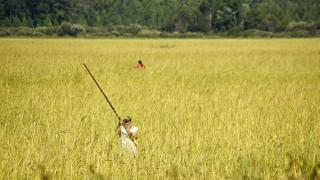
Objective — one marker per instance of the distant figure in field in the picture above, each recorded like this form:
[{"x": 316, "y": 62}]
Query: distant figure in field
[
  {"x": 128, "y": 134},
  {"x": 140, "y": 65}
]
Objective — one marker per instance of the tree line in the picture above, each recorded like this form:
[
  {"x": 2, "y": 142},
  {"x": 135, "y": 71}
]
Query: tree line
[{"x": 205, "y": 16}]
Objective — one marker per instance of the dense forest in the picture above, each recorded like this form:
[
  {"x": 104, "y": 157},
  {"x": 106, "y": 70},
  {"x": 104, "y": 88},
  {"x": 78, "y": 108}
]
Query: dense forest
[{"x": 204, "y": 16}]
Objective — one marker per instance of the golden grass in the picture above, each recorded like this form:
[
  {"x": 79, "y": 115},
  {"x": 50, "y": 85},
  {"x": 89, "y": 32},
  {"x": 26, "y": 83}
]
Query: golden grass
[{"x": 213, "y": 109}]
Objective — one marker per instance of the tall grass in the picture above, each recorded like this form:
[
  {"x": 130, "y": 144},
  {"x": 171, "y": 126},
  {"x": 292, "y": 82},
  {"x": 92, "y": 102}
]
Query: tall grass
[{"x": 212, "y": 109}]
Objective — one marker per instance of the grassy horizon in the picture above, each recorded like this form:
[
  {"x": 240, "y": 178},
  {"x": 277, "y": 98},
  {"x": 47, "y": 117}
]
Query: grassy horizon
[{"x": 208, "y": 109}]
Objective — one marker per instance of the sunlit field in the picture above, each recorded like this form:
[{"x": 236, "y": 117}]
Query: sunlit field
[{"x": 205, "y": 109}]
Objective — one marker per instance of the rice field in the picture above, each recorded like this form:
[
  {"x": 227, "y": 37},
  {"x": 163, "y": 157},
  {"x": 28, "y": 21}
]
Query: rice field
[{"x": 205, "y": 109}]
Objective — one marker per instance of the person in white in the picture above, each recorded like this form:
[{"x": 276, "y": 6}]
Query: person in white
[{"x": 128, "y": 134}]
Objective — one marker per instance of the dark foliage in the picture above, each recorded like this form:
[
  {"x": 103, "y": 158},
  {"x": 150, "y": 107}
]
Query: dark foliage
[{"x": 299, "y": 17}]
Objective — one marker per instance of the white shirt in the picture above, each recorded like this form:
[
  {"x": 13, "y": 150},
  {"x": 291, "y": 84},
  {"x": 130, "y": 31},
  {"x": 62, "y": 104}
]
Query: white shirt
[{"x": 126, "y": 142}]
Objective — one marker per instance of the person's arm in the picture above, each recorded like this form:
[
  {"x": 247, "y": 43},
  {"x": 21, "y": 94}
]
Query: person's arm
[
  {"x": 132, "y": 135},
  {"x": 135, "y": 135}
]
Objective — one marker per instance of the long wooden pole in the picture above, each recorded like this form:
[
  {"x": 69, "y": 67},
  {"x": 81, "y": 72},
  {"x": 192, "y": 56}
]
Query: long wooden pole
[{"x": 103, "y": 93}]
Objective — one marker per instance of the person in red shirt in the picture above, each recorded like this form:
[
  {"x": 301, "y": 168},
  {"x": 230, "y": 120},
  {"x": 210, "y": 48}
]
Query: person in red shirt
[{"x": 140, "y": 65}]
